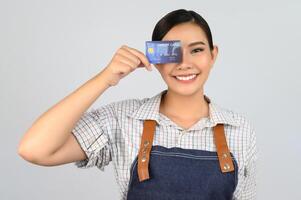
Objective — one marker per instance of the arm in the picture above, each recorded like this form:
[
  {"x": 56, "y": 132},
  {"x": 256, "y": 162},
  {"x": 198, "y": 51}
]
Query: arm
[
  {"x": 52, "y": 130},
  {"x": 249, "y": 191},
  {"x": 49, "y": 140}
]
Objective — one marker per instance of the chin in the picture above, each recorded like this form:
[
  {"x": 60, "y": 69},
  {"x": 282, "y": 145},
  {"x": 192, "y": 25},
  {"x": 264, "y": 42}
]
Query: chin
[{"x": 185, "y": 91}]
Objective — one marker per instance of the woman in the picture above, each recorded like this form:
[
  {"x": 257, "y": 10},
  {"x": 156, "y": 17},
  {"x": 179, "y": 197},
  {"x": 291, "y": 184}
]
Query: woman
[{"x": 178, "y": 144}]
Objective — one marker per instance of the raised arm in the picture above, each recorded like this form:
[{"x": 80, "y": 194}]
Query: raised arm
[
  {"x": 49, "y": 140},
  {"x": 52, "y": 130}
]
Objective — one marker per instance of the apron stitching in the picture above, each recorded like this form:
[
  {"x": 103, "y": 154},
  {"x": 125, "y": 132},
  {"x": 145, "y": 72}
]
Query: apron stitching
[
  {"x": 184, "y": 155},
  {"x": 135, "y": 163},
  {"x": 136, "y": 160}
]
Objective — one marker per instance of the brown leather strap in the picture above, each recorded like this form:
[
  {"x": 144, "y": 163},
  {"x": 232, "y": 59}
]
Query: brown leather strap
[
  {"x": 225, "y": 160},
  {"x": 145, "y": 148},
  {"x": 224, "y": 157}
]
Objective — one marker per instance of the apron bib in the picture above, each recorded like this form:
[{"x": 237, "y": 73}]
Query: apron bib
[{"x": 160, "y": 173}]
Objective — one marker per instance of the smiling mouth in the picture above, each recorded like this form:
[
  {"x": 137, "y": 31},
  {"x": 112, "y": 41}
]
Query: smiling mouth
[{"x": 186, "y": 79}]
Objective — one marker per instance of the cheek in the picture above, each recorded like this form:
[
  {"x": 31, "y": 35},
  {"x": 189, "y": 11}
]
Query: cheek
[
  {"x": 203, "y": 62},
  {"x": 204, "y": 59},
  {"x": 166, "y": 70},
  {"x": 165, "y": 74}
]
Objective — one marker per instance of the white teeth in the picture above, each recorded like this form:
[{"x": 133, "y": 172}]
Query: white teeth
[{"x": 185, "y": 78}]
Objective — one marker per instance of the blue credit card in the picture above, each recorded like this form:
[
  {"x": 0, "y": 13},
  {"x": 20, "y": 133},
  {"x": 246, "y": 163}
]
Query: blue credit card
[{"x": 167, "y": 51}]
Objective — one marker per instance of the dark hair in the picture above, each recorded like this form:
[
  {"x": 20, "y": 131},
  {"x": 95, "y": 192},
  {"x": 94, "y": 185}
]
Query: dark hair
[{"x": 179, "y": 16}]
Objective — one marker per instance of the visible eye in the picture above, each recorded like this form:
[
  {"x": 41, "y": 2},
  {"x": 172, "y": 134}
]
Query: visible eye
[{"x": 197, "y": 50}]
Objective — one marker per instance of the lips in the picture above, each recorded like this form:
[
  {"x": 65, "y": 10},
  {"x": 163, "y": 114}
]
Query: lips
[
  {"x": 183, "y": 79},
  {"x": 186, "y": 74}
]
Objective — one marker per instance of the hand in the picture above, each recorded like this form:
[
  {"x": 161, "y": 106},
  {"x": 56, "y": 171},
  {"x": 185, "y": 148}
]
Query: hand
[{"x": 124, "y": 61}]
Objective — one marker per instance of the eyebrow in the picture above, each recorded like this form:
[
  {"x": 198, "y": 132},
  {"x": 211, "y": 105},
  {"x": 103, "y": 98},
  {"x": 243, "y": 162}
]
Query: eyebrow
[{"x": 195, "y": 43}]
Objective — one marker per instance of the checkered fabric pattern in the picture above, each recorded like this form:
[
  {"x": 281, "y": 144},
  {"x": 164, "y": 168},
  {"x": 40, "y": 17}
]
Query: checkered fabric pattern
[{"x": 113, "y": 133}]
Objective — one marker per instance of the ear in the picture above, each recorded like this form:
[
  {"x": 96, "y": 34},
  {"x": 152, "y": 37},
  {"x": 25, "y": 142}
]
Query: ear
[{"x": 214, "y": 53}]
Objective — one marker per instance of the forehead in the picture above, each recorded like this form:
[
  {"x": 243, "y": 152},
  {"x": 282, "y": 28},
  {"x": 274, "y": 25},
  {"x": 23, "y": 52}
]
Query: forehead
[{"x": 187, "y": 33}]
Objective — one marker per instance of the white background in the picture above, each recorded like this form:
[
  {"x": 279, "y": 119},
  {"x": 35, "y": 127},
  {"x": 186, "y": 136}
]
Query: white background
[{"x": 50, "y": 48}]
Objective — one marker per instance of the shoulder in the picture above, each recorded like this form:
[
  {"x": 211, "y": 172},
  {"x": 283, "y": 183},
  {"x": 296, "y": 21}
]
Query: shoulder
[
  {"x": 129, "y": 104},
  {"x": 232, "y": 116},
  {"x": 242, "y": 136},
  {"x": 245, "y": 127},
  {"x": 122, "y": 107},
  {"x": 237, "y": 122}
]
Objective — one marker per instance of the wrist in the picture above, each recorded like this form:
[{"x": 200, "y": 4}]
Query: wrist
[{"x": 102, "y": 79}]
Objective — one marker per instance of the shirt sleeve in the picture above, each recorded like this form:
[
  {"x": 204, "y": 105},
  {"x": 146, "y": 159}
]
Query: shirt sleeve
[
  {"x": 92, "y": 133},
  {"x": 249, "y": 191}
]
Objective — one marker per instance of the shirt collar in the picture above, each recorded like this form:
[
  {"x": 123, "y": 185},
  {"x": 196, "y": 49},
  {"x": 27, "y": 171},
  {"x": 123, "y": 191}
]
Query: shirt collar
[{"x": 150, "y": 110}]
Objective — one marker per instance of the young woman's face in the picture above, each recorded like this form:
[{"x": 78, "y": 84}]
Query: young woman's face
[{"x": 196, "y": 59}]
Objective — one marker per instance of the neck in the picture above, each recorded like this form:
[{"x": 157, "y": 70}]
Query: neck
[{"x": 184, "y": 107}]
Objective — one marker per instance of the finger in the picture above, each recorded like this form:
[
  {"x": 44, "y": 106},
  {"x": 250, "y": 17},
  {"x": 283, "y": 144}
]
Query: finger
[
  {"x": 126, "y": 53},
  {"x": 141, "y": 56},
  {"x": 126, "y": 68},
  {"x": 126, "y": 60}
]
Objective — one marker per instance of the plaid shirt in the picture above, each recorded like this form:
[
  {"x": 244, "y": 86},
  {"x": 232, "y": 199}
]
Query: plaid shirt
[{"x": 113, "y": 132}]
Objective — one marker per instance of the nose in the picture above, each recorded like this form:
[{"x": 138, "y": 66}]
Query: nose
[
  {"x": 185, "y": 63},
  {"x": 183, "y": 67}
]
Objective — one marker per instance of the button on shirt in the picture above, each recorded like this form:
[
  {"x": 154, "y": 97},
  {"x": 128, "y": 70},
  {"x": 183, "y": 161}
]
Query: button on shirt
[{"x": 113, "y": 132}]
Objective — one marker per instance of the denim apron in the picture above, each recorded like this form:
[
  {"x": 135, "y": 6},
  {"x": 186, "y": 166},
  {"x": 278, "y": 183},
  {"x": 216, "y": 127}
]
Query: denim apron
[{"x": 160, "y": 173}]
